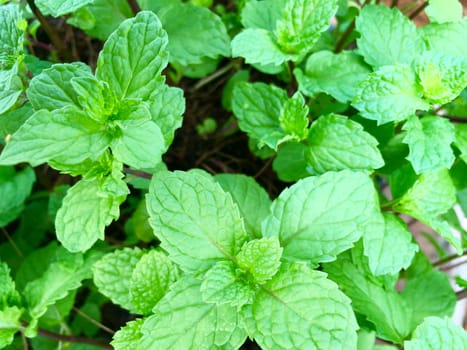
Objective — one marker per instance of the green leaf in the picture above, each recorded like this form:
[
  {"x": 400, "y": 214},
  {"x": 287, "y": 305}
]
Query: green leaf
[
  {"x": 442, "y": 76},
  {"x": 166, "y": 108},
  {"x": 381, "y": 305},
  {"x": 52, "y": 89},
  {"x": 320, "y": 217},
  {"x": 11, "y": 34},
  {"x": 257, "y": 46},
  {"x": 429, "y": 141},
  {"x": 66, "y": 135},
  {"x": 128, "y": 336},
  {"x": 432, "y": 194},
  {"x": 101, "y": 17},
  {"x": 389, "y": 246},
  {"x": 294, "y": 117},
  {"x": 150, "y": 280},
  {"x": 252, "y": 199},
  {"x": 437, "y": 333},
  {"x": 11, "y": 88},
  {"x": 300, "y": 308},
  {"x": 182, "y": 320},
  {"x": 387, "y": 37},
  {"x": 290, "y": 163},
  {"x": 86, "y": 210},
  {"x": 64, "y": 274},
  {"x": 140, "y": 145},
  {"x": 15, "y": 187},
  {"x": 222, "y": 284},
  {"x": 441, "y": 11},
  {"x": 301, "y": 25},
  {"x": 60, "y": 7},
  {"x": 461, "y": 140},
  {"x": 134, "y": 56},
  {"x": 260, "y": 258},
  {"x": 197, "y": 222},
  {"x": 194, "y": 33},
  {"x": 9, "y": 324},
  {"x": 447, "y": 38},
  {"x": 112, "y": 275},
  {"x": 8, "y": 293},
  {"x": 429, "y": 294},
  {"x": 335, "y": 74},
  {"x": 336, "y": 143},
  {"x": 389, "y": 94},
  {"x": 12, "y": 120},
  {"x": 262, "y": 14}
]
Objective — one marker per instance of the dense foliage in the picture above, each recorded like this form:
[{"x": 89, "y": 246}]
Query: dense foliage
[{"x": 346, "y": 114}]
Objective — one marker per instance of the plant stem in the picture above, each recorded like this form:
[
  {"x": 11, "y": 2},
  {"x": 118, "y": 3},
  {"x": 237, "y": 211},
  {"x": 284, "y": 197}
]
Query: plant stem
[
  {"x": 388, "y": 205},
  {"x": 395, "y": 3},
  {"x": 218, "y": 73},
  {"x": 344, "y": 37},
  {"x": 93, "y": 321},
  {"x": 73, "y": 339},
  {"x": 51, "y": 32},
  {"x": 418, "y": 10},
  {"x": 462, "y": 294},
  {"x": 449, "y": 259},
  {"x": 134, "y": 6},
  {"x": 137, "y": 173}
]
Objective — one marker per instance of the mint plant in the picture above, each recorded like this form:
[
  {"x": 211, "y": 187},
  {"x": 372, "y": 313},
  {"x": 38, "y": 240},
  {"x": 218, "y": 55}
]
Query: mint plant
[{"x": 278, "y": 216}]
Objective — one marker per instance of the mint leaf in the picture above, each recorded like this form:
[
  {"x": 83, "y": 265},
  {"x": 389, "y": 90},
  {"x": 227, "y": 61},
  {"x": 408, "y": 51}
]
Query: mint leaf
[
  {"x": 134, "y": 56},
  {"x": 302, "y": 23},
  {"x": 262, "y": 14},
  {"x": 9, "y": 324},
  {"x": 389, "y": 246},
  {"x": 441, "y": 11},
  {"x": 387, "y": 37},
  {"x": 113, "y": 272},
  {"x": 128, "y": 336},
  {"x": 252, "y": 200},
  {"x": 319, "y": 217},
  {"x": 11, "y": 34},
  {"x": 11, "y": 121},
  {"x": 15, "y": 187},
  {"x": 437, "y": 333},
  {"x": 257, "y": 46},
  {"x": 260, "y": 258},
  {"x": 268, "y": 115},
  {"x": 429, "y": 141},
  {"x": 442, "y": 76},
  {"x": 208, "y": 325},
  {"x": 52, "y": 89},
  {"x": 194, "y": 33},
  {"x": 86, "y": 209},
  {"x": 461, "y": 140},
  {"x": 140, "y": 145},
  {"x": 8, "y": 293},
  {"x": 389, "y": 94},
  {"x": 335, "y": 74},
  {"x": 222, "y": 284},
  {"x": 64, "y": 274},
  {"x": 166, "y": 108},
  {"x": 150, "y": 280},
  {"x": 67, "y": 135},
  {"x": 60, "y": 7},
  {"x": 432, "y": 194},
  {"x": 194, "y": 233},
  {"x": 305, "y": 300},
  {"x": 11, "y": 88},
  {"x": 429, "y": 294},
  {"x": 336, "y": 143},
  {"x": 447, "y": 38},
  {"x": 381, "y": 305}
]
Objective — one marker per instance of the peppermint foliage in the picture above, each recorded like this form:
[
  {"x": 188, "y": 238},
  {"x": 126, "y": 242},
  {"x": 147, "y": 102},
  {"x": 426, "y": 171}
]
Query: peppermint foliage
[{"x": 282, "y": 215}]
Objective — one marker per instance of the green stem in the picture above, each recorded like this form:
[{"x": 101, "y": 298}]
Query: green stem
[
  {"x": 389, "y": 205},
  {"x": 449, "y": 259}
]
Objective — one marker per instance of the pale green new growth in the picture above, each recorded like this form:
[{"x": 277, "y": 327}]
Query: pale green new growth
[
  {"x": 336, "y": 142},
  {"x": 320, "y": 217},
  {"x": 9, "y": 324},
  {"x": 441, "y": 11},
  {"x": 58, "y": 8},
  {"x": 437, "y": 333},
  {"x": 446, "y": 38},
  {"x": 128, "y": 336},
  {"x": 429, "y": 141},
  {"x": 260, "y": 258}
]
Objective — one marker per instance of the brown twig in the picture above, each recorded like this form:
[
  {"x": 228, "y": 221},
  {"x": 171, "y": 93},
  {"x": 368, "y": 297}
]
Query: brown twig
[
  {"x": 93, "y": 321},
  {"x": 51, "y": 32},
  {"x": 342, "y": 41},
  {"x": 134, "y": 6},
  {"x": 137, "y": 173},
  {"x": 73, "y": 339},
  {"x": 447, "y": 259},
  {"x": 418, "y": 10},
  {"x": 394, "y": 3},
  {"x": 462, "y": 294}
]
